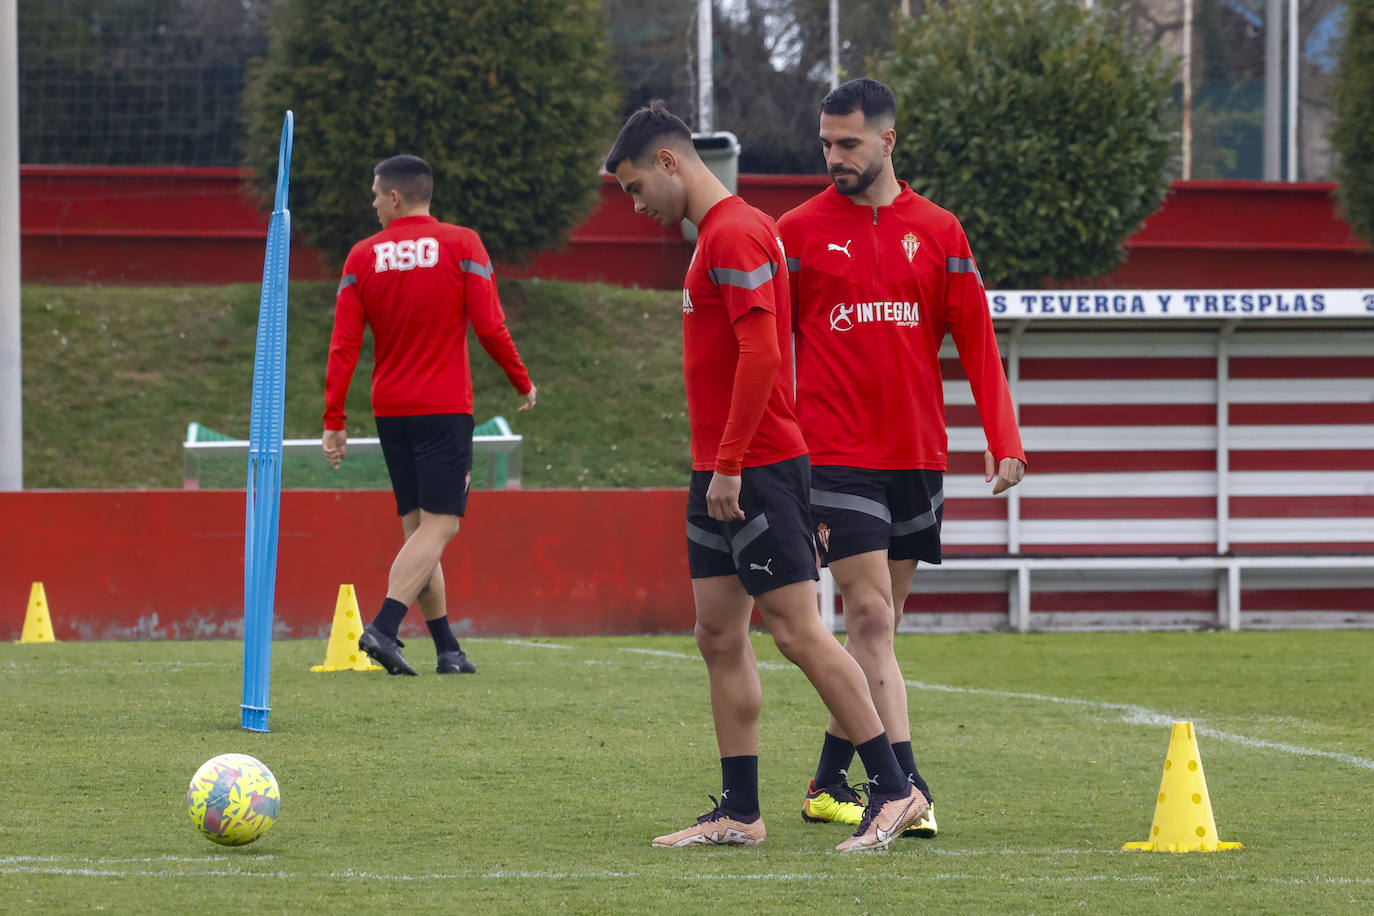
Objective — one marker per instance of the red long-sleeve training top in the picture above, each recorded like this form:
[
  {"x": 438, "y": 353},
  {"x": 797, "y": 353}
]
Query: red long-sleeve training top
[
  {"x": 875, "y": 289},
  {"x": 417, "y": 284},
  {"x": 736, "y": 359}
]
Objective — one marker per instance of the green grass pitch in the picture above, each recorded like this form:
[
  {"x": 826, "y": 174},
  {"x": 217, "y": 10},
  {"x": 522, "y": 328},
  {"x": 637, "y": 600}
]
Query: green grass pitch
[{"x": 536, "y": 785}]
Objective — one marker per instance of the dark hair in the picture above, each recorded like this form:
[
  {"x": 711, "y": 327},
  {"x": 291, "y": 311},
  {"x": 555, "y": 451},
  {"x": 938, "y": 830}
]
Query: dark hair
[
  {"x": 642, "y": 129},
  {"x": 869, "y": 96},
  {"x": 410, "y": 175}
]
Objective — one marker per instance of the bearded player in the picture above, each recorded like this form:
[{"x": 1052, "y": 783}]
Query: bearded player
[{"x": 879, "y": 275}]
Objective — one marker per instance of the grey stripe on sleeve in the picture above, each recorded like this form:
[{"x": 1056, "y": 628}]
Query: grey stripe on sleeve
[
  {"x": 849, "y": 501},
  {"x": 794, "y": 264},
  {"x": 745, "y": 279},
  {"x": 962, "y": 266},
  {"x": 482, "y": 270},
  {"x": 347, "y": 281}
]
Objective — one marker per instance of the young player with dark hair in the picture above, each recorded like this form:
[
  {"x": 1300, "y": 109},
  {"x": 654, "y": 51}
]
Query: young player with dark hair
[
  {"x": 748, "y": 528},
  {"x": 417, "y": 284},
  {"x": 879, "y": 275}
]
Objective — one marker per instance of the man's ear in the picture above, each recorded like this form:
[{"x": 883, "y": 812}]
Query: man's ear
[
  {"x": 668, "y": 158},
  {"x": 889, "y": 140}
]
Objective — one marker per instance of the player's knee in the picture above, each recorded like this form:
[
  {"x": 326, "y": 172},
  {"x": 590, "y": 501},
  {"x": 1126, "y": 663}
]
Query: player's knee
[
  {"x": 788, "y": 643},
  {"x": 869, "y": 620},
  {"x": 795, "y": 639},
  {"x": 715, "y": 640}
]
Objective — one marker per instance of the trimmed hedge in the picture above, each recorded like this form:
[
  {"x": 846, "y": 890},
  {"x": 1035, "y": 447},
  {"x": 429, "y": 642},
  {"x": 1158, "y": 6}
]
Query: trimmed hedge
[
  {"x": 1042, "y": 125},
  {"x": 512, "y": 102},
  {"x": 1352, "y": 135}
]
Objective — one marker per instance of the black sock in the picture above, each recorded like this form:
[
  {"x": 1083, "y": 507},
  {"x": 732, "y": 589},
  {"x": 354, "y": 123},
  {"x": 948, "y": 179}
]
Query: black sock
[
  {"x": 442, "y": 633},
  {"x": 884, "y": 775},
  {"x": 906, "y": 759},
  {"x": 739, "y": 786},
  {"x": 388, "y": 619},
  {"x": 837, "y": 755}
]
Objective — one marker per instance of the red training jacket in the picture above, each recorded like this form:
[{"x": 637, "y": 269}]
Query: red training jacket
[
  {"x": 417, "y": 284},
  {"x": 876, "y": 288},
  {"x": 735, "y": 300}
]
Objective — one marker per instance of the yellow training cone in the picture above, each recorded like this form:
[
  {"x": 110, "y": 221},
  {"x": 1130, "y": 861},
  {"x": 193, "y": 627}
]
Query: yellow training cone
[
  {"x": 1183, "y": 814},
  {"x": 342, "y": 653},
  {"x": 37, "y": 622}
]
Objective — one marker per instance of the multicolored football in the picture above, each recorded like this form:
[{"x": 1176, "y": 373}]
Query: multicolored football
[{"x": 233, "y": 799}]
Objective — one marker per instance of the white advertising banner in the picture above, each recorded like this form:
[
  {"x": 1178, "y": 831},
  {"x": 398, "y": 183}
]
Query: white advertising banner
[{"x": 1181, "y": 303}]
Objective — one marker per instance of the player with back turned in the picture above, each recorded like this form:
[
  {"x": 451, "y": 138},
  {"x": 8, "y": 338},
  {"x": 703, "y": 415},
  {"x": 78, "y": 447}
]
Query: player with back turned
[
  {"x": 417, "y": 284},
  {"x": 748, "y": 526},
  {"x": 879, "y": 275}
]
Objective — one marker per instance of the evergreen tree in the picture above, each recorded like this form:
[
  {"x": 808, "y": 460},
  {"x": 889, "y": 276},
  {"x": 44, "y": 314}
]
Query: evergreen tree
[
  {"x": 1041, "y": 124},
  {"x": 1353, "y": 132},
  {"x": 512, "y": 102}
]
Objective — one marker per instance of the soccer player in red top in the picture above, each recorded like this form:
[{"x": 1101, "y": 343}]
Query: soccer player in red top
[
  {"x": 748, "y": 528},
  {"x": 879, "y": 275},
  {"x": 417, "y": 284}
]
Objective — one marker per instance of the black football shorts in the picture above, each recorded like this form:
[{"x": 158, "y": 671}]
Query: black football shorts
[
  {"x": 856, "y": 510},
  {"x": 772, "y": 547},
  {"x": 428, "y": 458}
]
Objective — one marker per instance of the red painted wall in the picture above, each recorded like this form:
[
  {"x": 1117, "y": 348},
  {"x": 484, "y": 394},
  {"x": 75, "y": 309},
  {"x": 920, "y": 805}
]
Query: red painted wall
[
  {"x": 169, "y": 564},
  {"x": 195, "y": 225}
]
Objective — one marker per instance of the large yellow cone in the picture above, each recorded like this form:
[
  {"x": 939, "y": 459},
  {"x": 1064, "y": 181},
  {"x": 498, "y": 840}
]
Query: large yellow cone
[
  {"x": 1183, "y": 814},
  {"x": 37, "y": 621},
  {"x": 342, "y": 653}
]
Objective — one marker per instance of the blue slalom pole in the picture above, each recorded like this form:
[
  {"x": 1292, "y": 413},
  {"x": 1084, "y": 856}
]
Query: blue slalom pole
[{"x": 264, "y": 452}]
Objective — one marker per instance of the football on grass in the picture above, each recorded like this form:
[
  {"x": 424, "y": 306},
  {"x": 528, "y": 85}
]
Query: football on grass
[{"x": 233, "y": 799}]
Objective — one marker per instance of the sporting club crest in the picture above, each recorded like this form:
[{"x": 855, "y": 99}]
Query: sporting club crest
[{"x": 909, "y": 244}]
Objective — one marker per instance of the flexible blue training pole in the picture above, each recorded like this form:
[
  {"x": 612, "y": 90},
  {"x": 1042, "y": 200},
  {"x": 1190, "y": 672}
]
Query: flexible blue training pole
[{"x": 264, "y": 453}]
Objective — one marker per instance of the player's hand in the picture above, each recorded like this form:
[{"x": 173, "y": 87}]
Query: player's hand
[
  {"x": 529, "y": 399},
  {"x": 1008, "y": 472},
  {"x": 335, "y": 444},
  {"x": 722, "y": 498}
]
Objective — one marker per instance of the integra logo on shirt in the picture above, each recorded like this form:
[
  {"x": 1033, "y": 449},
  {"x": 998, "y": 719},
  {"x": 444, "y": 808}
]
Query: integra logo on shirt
[
  {"x": 406, "y": 254},
  {"x": 687, "y": 306},
  {"x": 902, "y": 314},
  {"x": 842, "y": 317}
]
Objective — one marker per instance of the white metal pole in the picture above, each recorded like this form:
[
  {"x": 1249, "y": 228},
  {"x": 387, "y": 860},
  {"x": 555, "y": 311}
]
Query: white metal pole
[
  {"x": 1292, "y": 90},
  {"x": 827, "y": 598},
  {"x": 834, "y": 43},
  {"x": 1013, "y": 352},
  {"x": 1224, "y": 437},
  {"x": 11, "y": 376},
  {"x": 1273, "y": 88},
  {"x": 1187, "y": 89},
  {"x": 705, "y": 51}
]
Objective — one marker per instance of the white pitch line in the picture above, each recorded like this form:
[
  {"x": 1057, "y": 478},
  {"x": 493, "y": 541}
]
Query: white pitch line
[
  {"x": 662, "y": 653},
  {"x": 121, "y": 666},
  {"x": 1130, "y": 713},
  {"x": 536, "y": 644},
  {"x": 142, "y": 860},
  {"x": 225, "y": 870},
  {"x": 1139, "y": 715},
  {"x": 683, "y": 656},
  {"x": 222, "y": 871}
]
